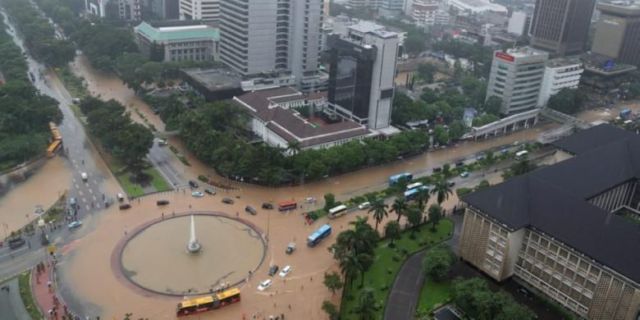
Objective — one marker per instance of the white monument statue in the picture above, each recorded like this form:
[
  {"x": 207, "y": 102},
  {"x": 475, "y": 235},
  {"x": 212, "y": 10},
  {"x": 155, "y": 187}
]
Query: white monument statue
[{"x": 194, "y": 245}]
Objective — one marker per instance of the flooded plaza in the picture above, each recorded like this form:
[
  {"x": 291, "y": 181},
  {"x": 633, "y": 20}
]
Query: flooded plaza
[{"x": 156, "y": 257}]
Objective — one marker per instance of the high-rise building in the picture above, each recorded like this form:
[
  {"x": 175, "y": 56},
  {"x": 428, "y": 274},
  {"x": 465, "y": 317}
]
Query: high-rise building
[
  {"x": 560, "y": 73},
  {"x": 561, "y": 27},
  {"x": 516, "y": 78},
  {"x": 518, "y": 23},
  {"x": 164, "y": 9},
  {"x": 424, "y": 12},
  {"x": 363, "y": 65},
  {"x": 129, "y": 10},
  {"x": 205, "y": 10},
  {"x": 391, "y": 8},
  {"x": 618, "y": 33},
  {"x": 361, "y": 4},
  {"x": 264, "y": 36}
]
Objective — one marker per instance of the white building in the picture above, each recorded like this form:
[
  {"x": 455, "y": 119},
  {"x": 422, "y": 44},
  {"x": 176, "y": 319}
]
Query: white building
[
  {"x": 129, "y": 10},
  {"x": 196, "y": 42},
  {"x": 276, "y": 120},
  {"x": 518, "y": 23},
  {"x": 516, "y": 78},
  {"x": 205, "y": 10},
  {"x": 424, "y": 12},
  {"x": 476, "y": 6},
  {"x": 559, "y": 74}
]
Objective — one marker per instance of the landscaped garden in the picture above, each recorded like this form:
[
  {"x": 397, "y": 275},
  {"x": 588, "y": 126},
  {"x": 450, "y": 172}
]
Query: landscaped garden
[{"x": 27, "y": 295}]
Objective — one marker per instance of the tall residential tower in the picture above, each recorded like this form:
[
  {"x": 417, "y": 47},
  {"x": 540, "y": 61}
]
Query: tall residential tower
[
  {"x": 205, "y": 10},
  {"x": 561, "y": 27}
]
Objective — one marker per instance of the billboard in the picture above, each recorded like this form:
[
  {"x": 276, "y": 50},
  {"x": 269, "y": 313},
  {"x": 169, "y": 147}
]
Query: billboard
[{"x": 505, "y": 56}]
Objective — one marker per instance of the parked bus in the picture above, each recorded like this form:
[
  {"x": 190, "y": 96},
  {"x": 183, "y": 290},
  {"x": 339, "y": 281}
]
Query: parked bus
[
  {"x": 207, "y": 303},
  {"x": 406, "y": 176},
  {"x": 287, "y": 205},
  {"x": 55, "y": 133},
  {"x": 337, "y": 211},
  {"x": 411, "y": 194},
  {"x": 53, "y": 148},
  {"x": 414, "y": 185},
  {"x": 520, "y": 155},
  {"x": 318, "y": 235}
]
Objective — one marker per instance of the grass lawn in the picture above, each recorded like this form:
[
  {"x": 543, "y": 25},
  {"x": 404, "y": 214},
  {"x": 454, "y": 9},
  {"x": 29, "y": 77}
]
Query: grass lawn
[
  {"x": 73, "y": 84},
  {"x": 158, "y": 183},
  {"x": 433, "y": 294},
  {"x": 27, "y": 296},
  {"x": 386, "y": 265}
]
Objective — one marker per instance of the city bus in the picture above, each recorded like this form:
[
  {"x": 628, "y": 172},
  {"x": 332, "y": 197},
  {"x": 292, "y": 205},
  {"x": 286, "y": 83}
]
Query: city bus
[
  {"x": 337, "y": 211},
  {"x": 520, "y": 155},
  {"x": 53, "y": 148},
  {"x": 411, "y": 194},
  {"x": 318, "y": 235},
  {"x": 414, "y": 185},
  {"x": 207, "y": 303},
  {"x": 287, "y": 205},
  {"x": 406, "y": 176},
  {"x": 55, "y": 133}
]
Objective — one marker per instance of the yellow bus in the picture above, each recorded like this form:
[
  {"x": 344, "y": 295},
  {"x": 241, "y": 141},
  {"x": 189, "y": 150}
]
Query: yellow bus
[
  {"x": 208, "y": 303},
  {"x": 53, "y": 148}
]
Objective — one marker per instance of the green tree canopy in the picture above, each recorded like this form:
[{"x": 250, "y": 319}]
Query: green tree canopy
[{"x": 437, "y": 262}]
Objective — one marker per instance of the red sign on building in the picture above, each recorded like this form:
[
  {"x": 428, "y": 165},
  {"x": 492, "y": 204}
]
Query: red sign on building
[{"x": 505, "y": 56}]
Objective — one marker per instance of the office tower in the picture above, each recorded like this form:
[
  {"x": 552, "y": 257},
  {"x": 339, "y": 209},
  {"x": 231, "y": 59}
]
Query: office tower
[
  {"x": 518, "y": 23},
  {"x": 561, "y": 73},
  {"x": 618, "y": 33},
  {"x": 363, "y": 67},
  {"x": 129, "y": 10},
  {"x": 264, "y": 36},
  {"x": 205, "y": 10},
  {"x": 516, "y": 78},
  {"x": 561, "y": 27},
  {"x": 391, "y": 8},
  {"x": 164, "y": 9}
]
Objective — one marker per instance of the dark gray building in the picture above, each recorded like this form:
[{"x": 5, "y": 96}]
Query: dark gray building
[
  {"x": 618, "y": 33},
  {"x": 163, "y": 9},
  {"x": 561, "y": 27}
]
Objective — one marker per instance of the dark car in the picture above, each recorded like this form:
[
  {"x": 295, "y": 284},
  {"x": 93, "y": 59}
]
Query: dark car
[
  {"x": 251, "y": 210},
  {"x": 44, "y": 239},
  {"x": 162, "y": 202},
  {"x": 437, "y": 169},
  {"x": 210, "y": 191},
  {"x": 459, "y": 163},
  {"x": 16, "y": 243},
  {"x": 193, "y": 184},
  {"x": 267, "y": 206},
  {"x": 273, "y": 270},
  {"x": 125, "y": 206},
  {"x": 227, "y": 200}
]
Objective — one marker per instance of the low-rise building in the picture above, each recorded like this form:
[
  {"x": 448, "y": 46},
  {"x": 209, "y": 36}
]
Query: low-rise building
[
  {"x": 570, "y": 230},
  {"x": 277, "y": 120},
  {"x": 178, "y": 41},
  {"x": 214, "y": 84},
  {"x": 561, "y": 73}
]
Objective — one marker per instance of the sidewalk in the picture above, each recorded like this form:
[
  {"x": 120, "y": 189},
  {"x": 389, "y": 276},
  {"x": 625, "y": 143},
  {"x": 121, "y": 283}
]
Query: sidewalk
[{"x": 43, "y": 286}]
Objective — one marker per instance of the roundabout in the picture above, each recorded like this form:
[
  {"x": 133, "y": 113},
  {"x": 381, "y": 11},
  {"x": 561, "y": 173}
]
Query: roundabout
[{"x": 156, "y": 256}]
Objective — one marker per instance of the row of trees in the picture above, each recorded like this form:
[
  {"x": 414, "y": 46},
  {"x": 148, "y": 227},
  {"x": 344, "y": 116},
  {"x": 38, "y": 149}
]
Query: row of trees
[
  {"x": 475, "y": 298},
  {"x": 39, "y": 35},
  {"x": 24, "y": 113},
  {"x": 127, "y": 141}
]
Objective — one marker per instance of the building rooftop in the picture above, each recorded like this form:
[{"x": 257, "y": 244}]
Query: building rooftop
[
  {"x": 562, "y": 62},
  {"x": 521, "y": 52},
  {"x": 620, "y": 8},
  {"x": 215, "y": 79},
  {"x": 178, "y": 32},
  {"x": 287, "y": 123},
  {"x": 555, "y": 199},
  {"x": 365, "y": 26}
]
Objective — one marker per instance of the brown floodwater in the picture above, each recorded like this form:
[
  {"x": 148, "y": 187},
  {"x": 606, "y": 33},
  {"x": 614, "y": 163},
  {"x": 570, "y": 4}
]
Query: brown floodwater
[
  {"x": 157, "y": 258},
  {"x": 43, "y": 188}
]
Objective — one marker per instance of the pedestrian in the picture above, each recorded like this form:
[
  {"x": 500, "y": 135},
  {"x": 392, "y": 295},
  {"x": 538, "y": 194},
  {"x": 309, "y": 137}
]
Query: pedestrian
[
  {"x": 289, "y": 307},
  {"x": 49, "y": 285},
  {"x": 282, "y": 316},
  {"x": 163, "y": 216},
  {"x": 311, "y": 278}
]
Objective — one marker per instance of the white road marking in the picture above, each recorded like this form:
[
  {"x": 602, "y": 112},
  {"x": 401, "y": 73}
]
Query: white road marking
[
  {"x": 77, "y": 186},
  {"x": 88, "y": 208},
  {"x": 94, "y": 198},
  {"x": 80, "y": 193},
  {"x": 90, "y": 191}
]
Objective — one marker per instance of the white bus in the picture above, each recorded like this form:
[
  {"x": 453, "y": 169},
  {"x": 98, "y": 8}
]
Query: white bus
[
  {"x": 520, "y": 155},
  {"x": 335, "y": 211},
  {"x": 414, "y": 185}
]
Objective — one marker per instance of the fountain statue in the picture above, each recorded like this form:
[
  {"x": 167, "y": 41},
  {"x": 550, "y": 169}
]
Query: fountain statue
[{"x": 194, "y": 245}]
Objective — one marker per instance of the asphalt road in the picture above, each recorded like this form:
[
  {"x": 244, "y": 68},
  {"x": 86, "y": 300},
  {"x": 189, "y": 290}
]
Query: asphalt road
[{"x": 11, "y": 306}]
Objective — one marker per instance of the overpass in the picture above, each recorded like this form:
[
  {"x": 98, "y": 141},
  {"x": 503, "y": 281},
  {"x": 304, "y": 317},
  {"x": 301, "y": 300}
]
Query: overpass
[{"x": 523, "y": 120}]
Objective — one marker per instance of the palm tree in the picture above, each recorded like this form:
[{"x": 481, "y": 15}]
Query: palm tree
[
  {"x": 442, "y": 190},
  {"x": 422, "y": 197},
  {"x": 293, "y": 147},
  {"x": 350, "y": 266},
  {"x": 435, "y": 213},
  {"x": 366, "y": 308},
  {"x": 399, "y": 207},
  {"x": 392, "y": 231},
  {"x": 379, "y": 210}
]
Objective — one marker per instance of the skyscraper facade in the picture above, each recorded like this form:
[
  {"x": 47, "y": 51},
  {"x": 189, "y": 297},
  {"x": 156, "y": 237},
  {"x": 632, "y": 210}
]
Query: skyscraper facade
[
  {"x": 618, "y": 33},
  {"x": 561, "y": 27},
  {"x": 205, "y": 10}
]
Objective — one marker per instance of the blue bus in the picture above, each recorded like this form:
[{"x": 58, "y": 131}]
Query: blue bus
[
  {"x": 318, "y": 235},
  {"x": 406, "y": 176},
  {"x": 411, "y": 194}
]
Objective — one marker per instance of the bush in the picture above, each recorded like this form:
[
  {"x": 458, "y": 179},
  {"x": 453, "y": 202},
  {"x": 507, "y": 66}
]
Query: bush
[{"x": 203, "y": 178}]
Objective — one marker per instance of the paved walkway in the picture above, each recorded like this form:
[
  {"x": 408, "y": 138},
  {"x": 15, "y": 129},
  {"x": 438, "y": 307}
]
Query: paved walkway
[
  {"x": 406, "y": 290},
  {"x": 11, "y": 306},
  {"x": 43, "y": 286}
]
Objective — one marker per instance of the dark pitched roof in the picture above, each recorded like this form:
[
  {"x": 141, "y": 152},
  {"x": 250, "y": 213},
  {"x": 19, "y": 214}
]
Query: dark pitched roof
[
  {"x": 592, "y": 138},
  {"x": 554, "y": 199},
  {"x": 286, "y": 123}
]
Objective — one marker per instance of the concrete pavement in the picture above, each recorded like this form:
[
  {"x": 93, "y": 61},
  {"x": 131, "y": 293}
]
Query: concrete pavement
[
  {"x": 11, "y": 306},
  {"x": 405, "y": 292}
]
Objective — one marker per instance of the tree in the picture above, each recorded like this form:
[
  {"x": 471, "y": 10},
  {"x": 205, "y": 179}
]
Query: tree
[
  {"x": 331, "y": 310},
  {"x": 379, "y": 210},
  {"x": 414, "y": 217},
  {"x": 435, "y": 214},
  {"x": 441, "y": 135},
  {"x": 437, "y": 262},
  {"x": 457, "y": 129},
  {"x": 441, "y": 190},
  {"x": 483, "y": 184},
  {"x": 473, "y": 296},
  {"x": 329, "y": 201},
  {"x": 333, "y": 282},
  {"x": 366, "y": 307},
  {"x": 414, "y": 44},
  {"x": 427, "y": 71},
  {"x": 566, "y": 100},
  {"x": 392, "y": 231},
  {"x": 399, "y": 206},
  {"x": 493, "y": 105},
  {"x": 519, "y": 168},
  {"x": 422, "y": 198}
]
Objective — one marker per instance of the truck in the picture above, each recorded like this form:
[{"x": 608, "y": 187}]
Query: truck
[{"x": 625, "y": 114}]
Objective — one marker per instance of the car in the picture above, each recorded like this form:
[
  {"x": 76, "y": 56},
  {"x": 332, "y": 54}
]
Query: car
[
  {"x": 193, "y": 184},
  {"x": 273, "y": 270},
  {"x": 459, "y": 163},
  {"x": 73, "y": 201},
  {"x": 84, "y": 176},
  {"x": 210, "y": 191},
  {"x": 264, "y": 285},
  {"x": 162, "y": 142},
  {"x": 125, "y": 206},
  {"x": 74, "y": 224},
  {"x": 285, "y": 271},
  {"x": 44, "y": 239},
  {"x": 162, "y": 202},
  {"x": 267, "y": 206},
  {"x": 197, "y": 194},
  {"x": 310, "y": 200},
  {"x": 251, "y": 210},
  {"x": 437, "y": 169},
  {"x": 364, "y": 205},
  {"x": 120, "y": 197},
  {"x": 291, "y": 247},
  {"x": 75, "y": 100},
  {"x": 451, "y": 183},
  {"x": 16, "y": 243},
  {"x": 227, "y": 200},
  {"x": 464, "y": 174}
]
